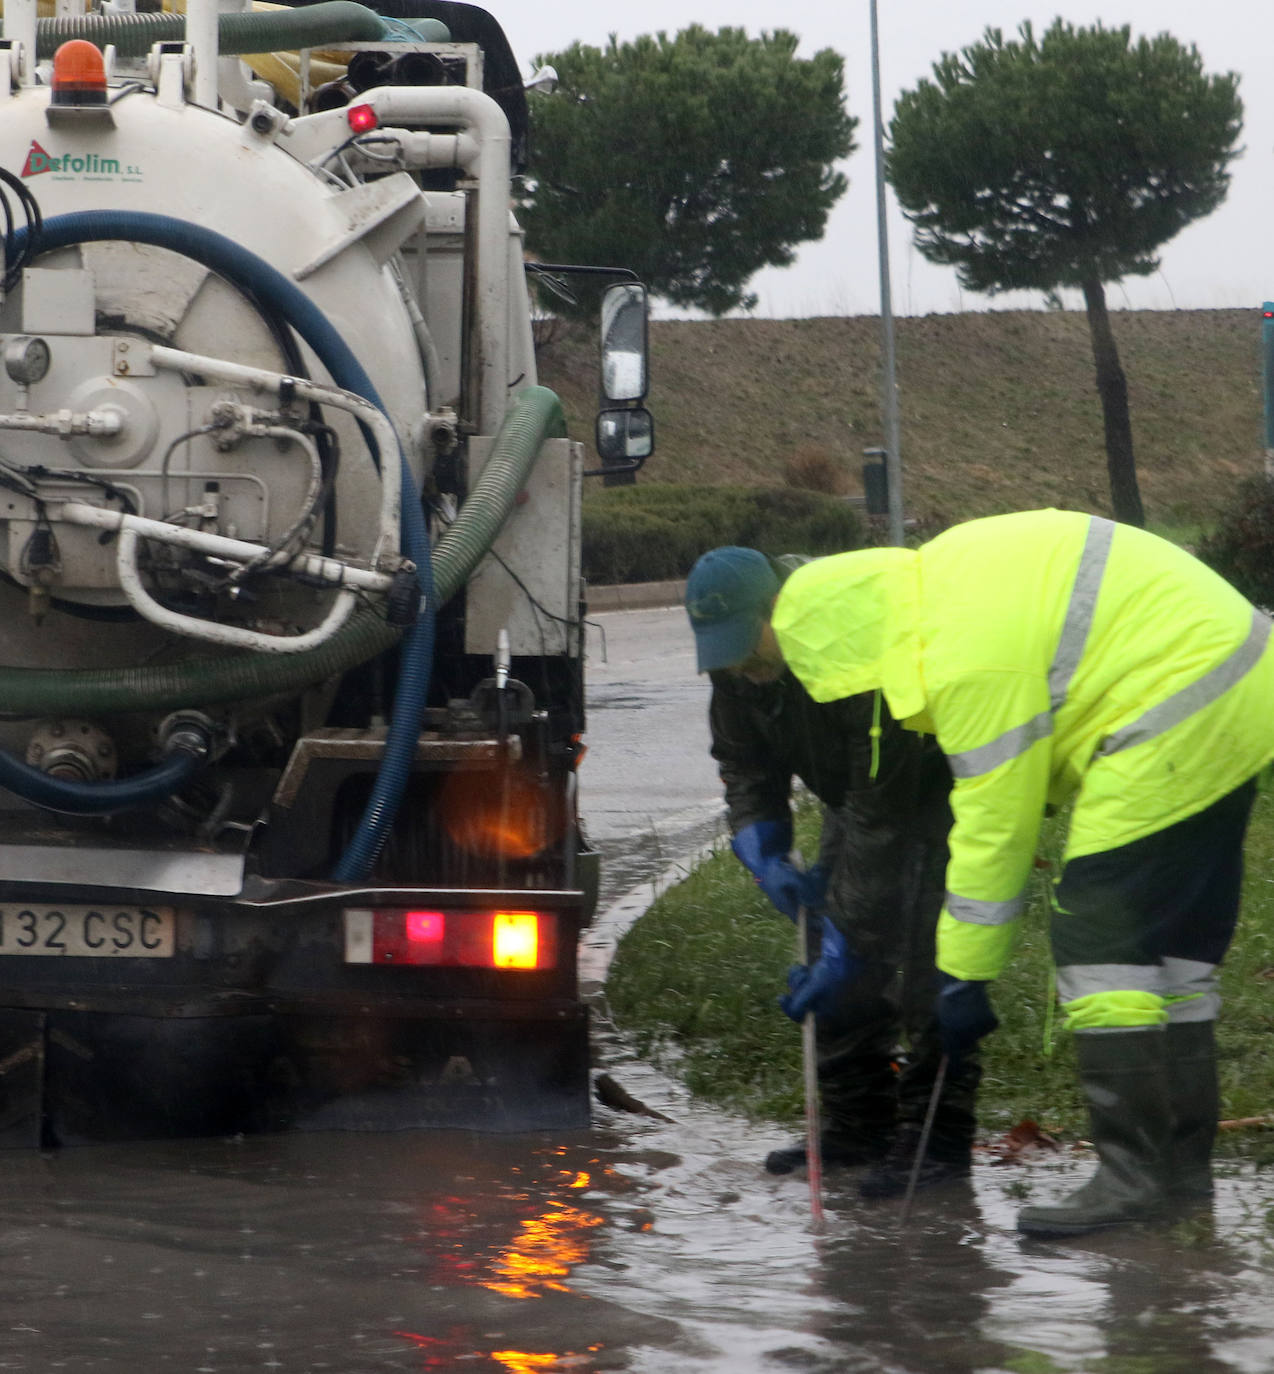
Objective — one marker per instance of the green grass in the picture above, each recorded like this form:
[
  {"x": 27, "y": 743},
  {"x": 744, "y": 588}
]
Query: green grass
[{"x": 695, "y": 981}]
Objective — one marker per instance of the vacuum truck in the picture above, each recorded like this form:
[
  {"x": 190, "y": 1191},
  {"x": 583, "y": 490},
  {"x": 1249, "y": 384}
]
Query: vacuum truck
[{"x": 291, "y": 692}]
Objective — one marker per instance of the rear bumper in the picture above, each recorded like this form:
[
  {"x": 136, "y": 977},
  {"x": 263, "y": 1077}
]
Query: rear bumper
[{"x": 257, "y": 1023}]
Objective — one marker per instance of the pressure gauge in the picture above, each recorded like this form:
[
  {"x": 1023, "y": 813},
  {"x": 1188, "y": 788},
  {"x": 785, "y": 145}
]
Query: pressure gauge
[{"x": 26, "y": 359}]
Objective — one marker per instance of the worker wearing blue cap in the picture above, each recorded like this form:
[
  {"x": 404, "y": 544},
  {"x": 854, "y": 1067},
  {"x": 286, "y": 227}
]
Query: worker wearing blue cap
[{"x": 874, "y": 893}]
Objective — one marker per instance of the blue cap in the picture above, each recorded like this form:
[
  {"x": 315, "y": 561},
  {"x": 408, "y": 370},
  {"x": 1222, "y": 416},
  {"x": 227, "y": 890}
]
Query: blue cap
[{"x": 728, "y": 596}]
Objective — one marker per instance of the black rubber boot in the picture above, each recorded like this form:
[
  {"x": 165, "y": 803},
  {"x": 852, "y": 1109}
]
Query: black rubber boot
[
  {"x": 1125, "y": 1079},
  {"x": 845, "y": 1151},
  {"x": 858, "y": 1095},
  {"x": 943, "y": 1161},
  {"x": 1195, "y": 1101}
]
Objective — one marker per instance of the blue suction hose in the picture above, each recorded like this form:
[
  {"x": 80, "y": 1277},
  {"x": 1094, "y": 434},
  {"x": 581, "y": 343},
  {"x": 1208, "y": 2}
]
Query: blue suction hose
[
  {"x": 102, "y": 798},
  {"x": 245, "y": 269}
]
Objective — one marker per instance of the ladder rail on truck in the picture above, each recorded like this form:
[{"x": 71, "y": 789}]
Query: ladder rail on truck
[{"x": 291, "y": 691}]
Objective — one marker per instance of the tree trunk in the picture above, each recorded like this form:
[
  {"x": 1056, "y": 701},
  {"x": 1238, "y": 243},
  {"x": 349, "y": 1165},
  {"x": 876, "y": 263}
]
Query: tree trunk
[{"x": 1112, "y": 387}]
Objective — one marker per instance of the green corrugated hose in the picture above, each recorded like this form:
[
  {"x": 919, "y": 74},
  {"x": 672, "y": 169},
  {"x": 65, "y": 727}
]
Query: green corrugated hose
[{"x": 334, "y": 21}]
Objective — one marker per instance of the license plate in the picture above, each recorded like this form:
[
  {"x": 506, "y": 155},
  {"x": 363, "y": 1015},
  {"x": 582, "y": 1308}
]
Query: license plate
[{"x": 91, "y": 932}]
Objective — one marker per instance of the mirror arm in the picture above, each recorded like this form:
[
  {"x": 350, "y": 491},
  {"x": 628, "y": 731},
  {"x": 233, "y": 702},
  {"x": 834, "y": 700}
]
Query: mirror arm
[{"x": 630, "y": 466}]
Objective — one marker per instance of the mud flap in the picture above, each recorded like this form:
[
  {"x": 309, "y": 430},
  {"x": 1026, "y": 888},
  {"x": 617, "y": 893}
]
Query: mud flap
[{"x": 21, "y": 1079}]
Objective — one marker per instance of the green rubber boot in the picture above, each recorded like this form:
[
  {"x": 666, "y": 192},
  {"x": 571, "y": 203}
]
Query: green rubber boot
[
  {"x": 1125, "y": 1079},
  {"x": 1192, "y": 1089}
]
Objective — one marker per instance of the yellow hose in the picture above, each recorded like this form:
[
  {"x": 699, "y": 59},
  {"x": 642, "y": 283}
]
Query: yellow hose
[{"x": 282, "y": 70}]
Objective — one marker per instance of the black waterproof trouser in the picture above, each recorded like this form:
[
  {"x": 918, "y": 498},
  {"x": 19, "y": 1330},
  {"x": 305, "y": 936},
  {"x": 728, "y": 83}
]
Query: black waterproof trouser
[{"x": 879, "y": 1053}]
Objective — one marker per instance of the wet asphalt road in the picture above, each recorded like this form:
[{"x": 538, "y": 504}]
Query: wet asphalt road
[
  {"x": 649, "y": 790},
  {"x": 639, "y": 1245}
]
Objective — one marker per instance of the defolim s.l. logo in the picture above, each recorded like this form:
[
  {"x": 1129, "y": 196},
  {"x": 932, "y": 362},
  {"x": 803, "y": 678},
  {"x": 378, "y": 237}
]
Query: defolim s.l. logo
[{"x": 77, "y": 166}]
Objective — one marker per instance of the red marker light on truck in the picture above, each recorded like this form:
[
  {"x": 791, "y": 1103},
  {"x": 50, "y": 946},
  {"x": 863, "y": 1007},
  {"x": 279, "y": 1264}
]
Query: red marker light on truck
[
  {"x": 79, "y": 74},
  {"x": 425, "y": 927},
  {"x": 362, "y": 119}
]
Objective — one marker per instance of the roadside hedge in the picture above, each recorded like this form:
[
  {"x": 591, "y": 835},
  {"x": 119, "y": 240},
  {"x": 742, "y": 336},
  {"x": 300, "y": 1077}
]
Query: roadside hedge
[
  {"x": 656, "y": 530},
  {"x": 1241, "y": 547}
]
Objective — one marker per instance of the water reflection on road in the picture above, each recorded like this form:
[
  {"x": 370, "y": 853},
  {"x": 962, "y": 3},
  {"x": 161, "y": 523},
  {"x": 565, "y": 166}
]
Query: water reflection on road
[{"x": 640, "y": 1245}]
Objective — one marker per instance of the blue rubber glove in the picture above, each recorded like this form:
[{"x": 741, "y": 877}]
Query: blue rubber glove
[
  {"x": 817, "y": 987},
  {"x": 763, "y": 848},
  {"x": 964, "y": 1014},
  {"x": 756, "y": 844}
]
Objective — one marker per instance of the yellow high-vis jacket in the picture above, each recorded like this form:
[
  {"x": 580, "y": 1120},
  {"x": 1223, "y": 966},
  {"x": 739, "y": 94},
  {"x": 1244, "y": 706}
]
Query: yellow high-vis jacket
[{"x": 1054, "y": 655}]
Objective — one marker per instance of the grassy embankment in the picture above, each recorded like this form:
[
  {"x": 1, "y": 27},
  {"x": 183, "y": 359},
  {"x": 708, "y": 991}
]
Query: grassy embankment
[
  {"x": 695, "y": 982},
  {"x": 998, "y": 413}
]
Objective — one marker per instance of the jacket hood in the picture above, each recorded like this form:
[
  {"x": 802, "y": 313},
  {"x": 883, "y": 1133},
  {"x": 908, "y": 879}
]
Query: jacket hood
[{"x": 848, "y": 624}]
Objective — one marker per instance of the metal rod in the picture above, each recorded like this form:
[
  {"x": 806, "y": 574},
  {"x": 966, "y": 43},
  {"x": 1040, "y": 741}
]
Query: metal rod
[
  {"x": 1267, "y": 349},
  {"x": 809, "y": 1065},
  {"x": 925, "y": 1132},
  {"x": 203, "y": 36},
  {"x": 889, "y": 382}
]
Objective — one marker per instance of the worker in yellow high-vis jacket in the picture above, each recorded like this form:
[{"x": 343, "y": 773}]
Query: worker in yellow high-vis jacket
[{"x": 1059, "y": 657}]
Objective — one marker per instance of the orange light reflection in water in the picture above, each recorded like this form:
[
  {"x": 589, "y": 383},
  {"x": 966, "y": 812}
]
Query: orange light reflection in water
[
  {"x": 440, "y": 1353},
  {"x": 542, "y": 1253},
  {"x": 537, "y": 1261}
]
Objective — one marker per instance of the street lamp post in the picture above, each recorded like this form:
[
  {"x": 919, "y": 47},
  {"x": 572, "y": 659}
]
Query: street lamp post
[{"x": 889, "y": 385}]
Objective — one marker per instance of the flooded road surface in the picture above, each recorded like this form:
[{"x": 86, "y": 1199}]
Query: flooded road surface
[
  {"x": 649, "y": 788},
  {"x": 640, "y": 1245}
]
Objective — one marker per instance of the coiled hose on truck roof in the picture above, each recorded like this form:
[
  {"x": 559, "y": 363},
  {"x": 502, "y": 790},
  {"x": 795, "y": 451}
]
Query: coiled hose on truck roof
[{"x": 333, "y": 21}]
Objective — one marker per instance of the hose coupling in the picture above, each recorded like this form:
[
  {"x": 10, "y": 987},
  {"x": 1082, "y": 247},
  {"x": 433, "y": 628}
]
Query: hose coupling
[
  {"x": 444, "y": 429},
  {"x": 192, "y": 732},
  {"x": 404, "y": 601}
]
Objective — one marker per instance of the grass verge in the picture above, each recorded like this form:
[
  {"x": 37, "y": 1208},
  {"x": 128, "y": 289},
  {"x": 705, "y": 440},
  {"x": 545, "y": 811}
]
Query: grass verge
[{"x": 695, "y": 980}]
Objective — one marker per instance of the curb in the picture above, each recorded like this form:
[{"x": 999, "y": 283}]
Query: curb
[{"x": 636, "y": 596}]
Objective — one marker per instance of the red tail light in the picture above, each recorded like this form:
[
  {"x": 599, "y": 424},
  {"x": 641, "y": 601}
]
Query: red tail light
[
  {"x": 457, "y": 939},
  {"x": 425, "y": 927}
]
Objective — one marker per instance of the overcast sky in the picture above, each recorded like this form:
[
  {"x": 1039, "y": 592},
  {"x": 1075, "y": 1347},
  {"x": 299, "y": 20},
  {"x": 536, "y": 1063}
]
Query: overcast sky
[{"x": 1224, "y": 260}]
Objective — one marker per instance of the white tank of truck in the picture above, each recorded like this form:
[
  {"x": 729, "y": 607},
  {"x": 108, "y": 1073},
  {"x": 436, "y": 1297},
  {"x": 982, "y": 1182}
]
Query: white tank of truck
[{"x": 290, "y": 606}]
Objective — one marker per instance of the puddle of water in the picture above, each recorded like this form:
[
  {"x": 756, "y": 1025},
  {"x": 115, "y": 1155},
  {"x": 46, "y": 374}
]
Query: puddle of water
[{"x": 640, "y": 1245}]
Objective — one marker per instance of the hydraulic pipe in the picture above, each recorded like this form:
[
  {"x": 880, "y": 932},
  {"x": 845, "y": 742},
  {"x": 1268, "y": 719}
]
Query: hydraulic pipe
[
  {"x": 463, "y": 107},
  {"x": 228, "y": 636},
  {"x": 371, "y": 418},
  {"x": 327, "y": 570}
]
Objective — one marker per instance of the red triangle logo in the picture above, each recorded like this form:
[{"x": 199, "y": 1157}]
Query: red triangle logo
[{"x": 38, "y": 160}]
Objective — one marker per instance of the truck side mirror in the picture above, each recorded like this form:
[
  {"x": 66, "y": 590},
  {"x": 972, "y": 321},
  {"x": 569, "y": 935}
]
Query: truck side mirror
[
  {"x": 625, "y": 437},
  {"x": 625, "y": 353}
]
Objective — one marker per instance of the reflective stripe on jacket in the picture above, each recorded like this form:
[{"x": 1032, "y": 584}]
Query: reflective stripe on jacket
[{"x": 1056, "y": 656}]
